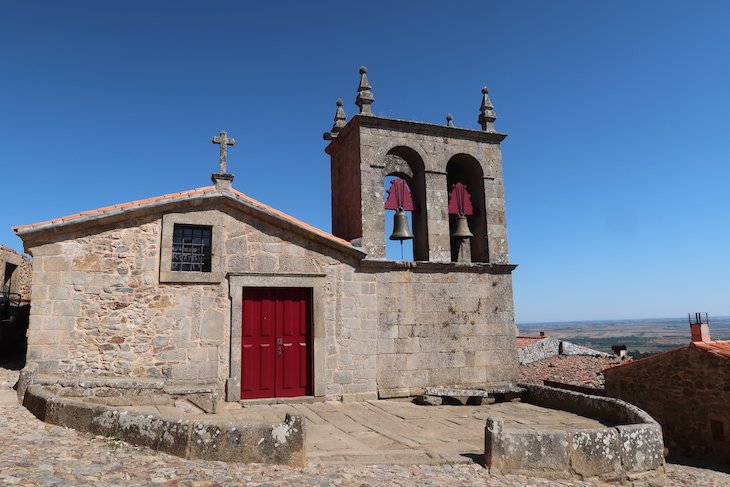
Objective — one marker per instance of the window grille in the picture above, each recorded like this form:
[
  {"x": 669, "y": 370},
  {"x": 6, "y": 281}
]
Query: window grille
[{"x": 191, "y": 250}]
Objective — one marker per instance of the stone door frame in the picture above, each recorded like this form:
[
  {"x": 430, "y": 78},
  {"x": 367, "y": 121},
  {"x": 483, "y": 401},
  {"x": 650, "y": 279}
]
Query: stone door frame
[{"x": 315, "y": 282}]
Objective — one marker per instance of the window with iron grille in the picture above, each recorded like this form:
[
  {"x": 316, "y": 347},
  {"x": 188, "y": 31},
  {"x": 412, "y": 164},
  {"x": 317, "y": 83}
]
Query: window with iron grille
[{"x": 191, "y": 250}]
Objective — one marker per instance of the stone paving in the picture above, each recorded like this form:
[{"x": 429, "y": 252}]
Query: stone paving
[{"x": 34, "y": 453}]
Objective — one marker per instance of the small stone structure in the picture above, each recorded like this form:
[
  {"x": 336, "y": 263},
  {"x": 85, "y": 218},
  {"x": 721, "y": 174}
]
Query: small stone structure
[
  {"x": 687, "y": 390},
  {"x": 227, "y": 441},
  {"x": 15, "y": 293},
  {"x": 15, "y": 273},
  {"x": 184, "y": 289},
  {"x": 547, "y": 347},
  {"x": 629, "y": 450}
]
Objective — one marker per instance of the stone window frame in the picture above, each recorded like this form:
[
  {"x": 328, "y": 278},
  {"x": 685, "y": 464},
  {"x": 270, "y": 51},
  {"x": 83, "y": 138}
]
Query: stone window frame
[
  {"x": 208, "y": 218},
  {"x": 237, "y": 282}
]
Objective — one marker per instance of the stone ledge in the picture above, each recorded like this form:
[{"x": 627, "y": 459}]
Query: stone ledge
[
  {"x": 630, "y": 453},
  {"x": 425, "y": 266},
  {"x": 228, "y": 441},
  {"x": 485, "y": 392},
  {"x": 413, "y": 127},
  {"x": 111, "y": 382},
  {"x": 281, "y": 400}
]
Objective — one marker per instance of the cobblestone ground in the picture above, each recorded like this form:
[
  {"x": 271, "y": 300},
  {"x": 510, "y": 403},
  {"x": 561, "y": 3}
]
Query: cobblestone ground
[{"x": 34, "y": 453}]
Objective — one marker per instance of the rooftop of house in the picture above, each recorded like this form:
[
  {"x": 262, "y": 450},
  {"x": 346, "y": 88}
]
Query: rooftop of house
[
  {"x": 523, "y": 341},
  {"x": 700, "y": 332},
  {"x": 579, "y": 370},
  {"x": 8, "y": 250},
  {"x": 720, "y": 348}
]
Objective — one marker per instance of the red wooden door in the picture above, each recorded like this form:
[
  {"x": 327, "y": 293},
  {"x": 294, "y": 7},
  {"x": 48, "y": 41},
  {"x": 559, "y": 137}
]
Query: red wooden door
[{"x": 275, "y": 359}]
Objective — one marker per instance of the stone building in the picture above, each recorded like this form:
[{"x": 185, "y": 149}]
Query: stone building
[
  {"x": 15, "y": 273},
  {"x": 211, "y": 287},
  {"x": 687, "y": 390}
]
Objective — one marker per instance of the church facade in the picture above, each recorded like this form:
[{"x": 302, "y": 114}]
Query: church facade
[{"x": 211, "y": 287}]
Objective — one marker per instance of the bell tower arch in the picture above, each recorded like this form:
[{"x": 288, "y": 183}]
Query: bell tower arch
[{"x": 431, "y": 158}]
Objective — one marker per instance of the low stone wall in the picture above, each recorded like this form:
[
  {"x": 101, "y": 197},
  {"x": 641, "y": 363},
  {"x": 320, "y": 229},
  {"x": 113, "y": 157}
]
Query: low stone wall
[
  {"x": 630, "y": 453},
  {"x": 227, "y": 441},
  {"x": 121, "y": 391}
]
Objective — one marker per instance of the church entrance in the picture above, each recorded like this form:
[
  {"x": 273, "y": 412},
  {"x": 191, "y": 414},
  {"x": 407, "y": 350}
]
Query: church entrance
[{"x": 276, "y": 343}]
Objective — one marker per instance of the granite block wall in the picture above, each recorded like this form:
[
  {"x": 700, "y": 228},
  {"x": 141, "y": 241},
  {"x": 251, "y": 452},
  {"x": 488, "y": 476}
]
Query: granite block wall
[
  {"x": 99, "y": 309},
  {"x": 444, "y": 329},
  {"x": 687, "y": 391}
]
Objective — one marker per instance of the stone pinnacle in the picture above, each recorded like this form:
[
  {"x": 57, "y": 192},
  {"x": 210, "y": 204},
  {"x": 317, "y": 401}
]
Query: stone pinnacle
[
  {"x": 365, "y": 96},
  {"x": 486, "y": 112},
  {"x": 340, "y": 121}
]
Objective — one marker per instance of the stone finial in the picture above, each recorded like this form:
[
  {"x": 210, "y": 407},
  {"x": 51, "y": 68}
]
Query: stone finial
[
  {"x": 449, "y": 120},
  {"x": 365, "y": 97},
  {"x": 222, "y": 179},
  {"x": 340, "y": 121},
  {"x": 486, "y": 112}
]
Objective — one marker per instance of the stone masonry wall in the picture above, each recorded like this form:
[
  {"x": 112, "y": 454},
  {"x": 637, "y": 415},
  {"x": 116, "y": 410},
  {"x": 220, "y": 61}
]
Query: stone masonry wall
[
  {"x": 350, "y": 304},
  {"x": 550, "y": 347},
  {"x": 683, "y": 390},
  {"x": 453, "y": 328},
  {"x": 99, "y": 310}
]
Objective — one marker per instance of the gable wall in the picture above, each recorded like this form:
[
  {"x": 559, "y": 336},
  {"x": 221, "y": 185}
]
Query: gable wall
[
  {"x": 683, "y": 390},
  {"x": 99, "y": 309}
]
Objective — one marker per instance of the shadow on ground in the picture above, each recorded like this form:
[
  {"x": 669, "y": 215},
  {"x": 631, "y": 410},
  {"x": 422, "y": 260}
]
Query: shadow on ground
[
  {"x": 699, "y": 463},
  {"x": 475, "y": 457},
  {"x": 12, "y": 360}
]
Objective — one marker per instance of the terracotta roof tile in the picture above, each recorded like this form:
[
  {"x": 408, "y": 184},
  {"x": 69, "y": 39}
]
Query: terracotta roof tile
[
  {"x": 525, "y": 341},
  {"x": 179, "y": 195},
  {"x": 580, "y": 370},
  {"x": 717, "y": 347}
]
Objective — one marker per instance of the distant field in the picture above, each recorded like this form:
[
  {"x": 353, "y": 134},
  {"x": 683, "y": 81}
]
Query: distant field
[{"x": 653, "y": 335}]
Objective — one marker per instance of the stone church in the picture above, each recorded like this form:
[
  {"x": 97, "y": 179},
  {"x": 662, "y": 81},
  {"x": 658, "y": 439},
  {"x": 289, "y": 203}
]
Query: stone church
[{"x": 210, "y": 287}]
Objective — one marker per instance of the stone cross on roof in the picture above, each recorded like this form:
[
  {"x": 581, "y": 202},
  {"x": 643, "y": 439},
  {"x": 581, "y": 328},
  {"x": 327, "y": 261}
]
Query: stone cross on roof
[{"x": 224, "y": 142}]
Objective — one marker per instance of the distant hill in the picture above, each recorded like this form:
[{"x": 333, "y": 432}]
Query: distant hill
[{"x": 651, "y": 335}]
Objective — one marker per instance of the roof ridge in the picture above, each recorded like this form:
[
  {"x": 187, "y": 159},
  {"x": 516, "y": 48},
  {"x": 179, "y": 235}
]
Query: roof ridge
[
  {"x": 117, "y": 206},
  {"x": 182, "y": 194},
  {"x": 288, "y": 217}
]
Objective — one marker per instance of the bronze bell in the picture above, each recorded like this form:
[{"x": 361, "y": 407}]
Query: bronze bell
[
  {"x": 461, "y": 228},
  {"x": 400, "y": 226}
]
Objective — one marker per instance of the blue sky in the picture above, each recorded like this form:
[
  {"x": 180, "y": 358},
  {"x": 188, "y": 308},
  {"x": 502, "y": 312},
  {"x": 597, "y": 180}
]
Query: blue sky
[{"x": 618, "y": 115}]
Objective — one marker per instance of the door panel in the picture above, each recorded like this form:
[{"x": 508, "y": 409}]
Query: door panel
[
  {"x": 292, "y": 325},
  {"x": 275, "y": 359}
]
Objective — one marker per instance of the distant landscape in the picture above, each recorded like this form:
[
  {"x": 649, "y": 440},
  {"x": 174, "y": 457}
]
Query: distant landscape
[{"x": 644, "y": 336}]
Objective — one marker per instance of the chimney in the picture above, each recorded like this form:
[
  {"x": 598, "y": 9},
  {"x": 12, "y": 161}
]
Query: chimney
[
  {"x": 700, "y": 328},
  {"x": 619, "y": 350}
]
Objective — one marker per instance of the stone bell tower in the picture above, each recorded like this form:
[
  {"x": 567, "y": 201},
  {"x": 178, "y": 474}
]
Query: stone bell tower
[{"x": 454, "y": 174}]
